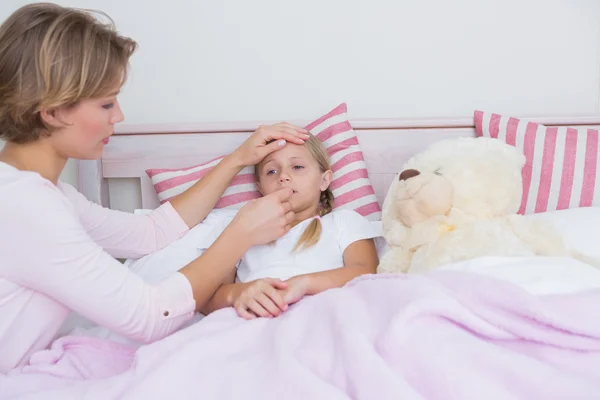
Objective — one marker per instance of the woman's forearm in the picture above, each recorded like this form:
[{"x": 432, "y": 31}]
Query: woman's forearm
[
  {"x": 197, "y": 202},
  {"x": 216, "y": 265}
]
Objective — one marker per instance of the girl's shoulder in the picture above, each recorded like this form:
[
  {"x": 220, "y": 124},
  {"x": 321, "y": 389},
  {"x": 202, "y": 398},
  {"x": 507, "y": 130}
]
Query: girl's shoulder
[
  {"x": 347, "y": 219},
  {"x": 348, "y": 226},
  {"x": 347, "y": 214}
]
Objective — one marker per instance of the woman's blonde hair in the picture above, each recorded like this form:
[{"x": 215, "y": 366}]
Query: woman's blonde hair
[
  {"x": 51, "y": 57},
  {"x": 312, "y": 233}
]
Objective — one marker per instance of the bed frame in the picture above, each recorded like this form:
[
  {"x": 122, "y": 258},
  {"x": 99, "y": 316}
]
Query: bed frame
[{"x": 386, "y": 144}]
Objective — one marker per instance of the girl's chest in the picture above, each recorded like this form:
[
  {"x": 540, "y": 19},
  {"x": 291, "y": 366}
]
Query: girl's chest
[{"x": 325, "y": 254}]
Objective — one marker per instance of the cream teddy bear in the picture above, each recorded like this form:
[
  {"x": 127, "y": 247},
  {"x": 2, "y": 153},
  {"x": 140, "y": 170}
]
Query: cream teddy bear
[{"x": 458, "y": 200}]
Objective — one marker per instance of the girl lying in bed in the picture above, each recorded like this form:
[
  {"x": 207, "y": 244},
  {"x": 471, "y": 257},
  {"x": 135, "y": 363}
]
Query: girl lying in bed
[{"x": 324, "y": 249}]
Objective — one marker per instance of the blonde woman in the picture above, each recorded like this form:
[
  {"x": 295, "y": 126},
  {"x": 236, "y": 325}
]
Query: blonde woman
[
  {"x": 60, "y": 73},
  {"x": 324, "y": 249}
]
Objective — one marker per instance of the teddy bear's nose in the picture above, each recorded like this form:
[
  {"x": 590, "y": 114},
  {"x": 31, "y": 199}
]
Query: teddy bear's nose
[{"x": 408, "y": 173}]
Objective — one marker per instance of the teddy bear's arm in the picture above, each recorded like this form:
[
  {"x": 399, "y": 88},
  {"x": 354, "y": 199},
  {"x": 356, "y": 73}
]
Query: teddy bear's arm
[
  {"x": 395, "y": 260},
  {"x": 542, "y": 238},
  {"x": 545, "y": 240},
  {"x": 395, "y": 232}
]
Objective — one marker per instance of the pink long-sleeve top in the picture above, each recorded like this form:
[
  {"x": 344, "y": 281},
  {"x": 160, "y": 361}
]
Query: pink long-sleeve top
[{"x": 56, "y": 256}]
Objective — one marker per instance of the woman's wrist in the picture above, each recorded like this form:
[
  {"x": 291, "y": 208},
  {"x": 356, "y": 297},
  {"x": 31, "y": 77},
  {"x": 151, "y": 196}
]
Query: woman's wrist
[
  {"x": 238, "y": 237},
  {"x": 235, "y": 160}
]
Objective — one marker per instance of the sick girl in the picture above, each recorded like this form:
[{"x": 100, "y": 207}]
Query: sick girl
[{"x": 324, "y": 248}]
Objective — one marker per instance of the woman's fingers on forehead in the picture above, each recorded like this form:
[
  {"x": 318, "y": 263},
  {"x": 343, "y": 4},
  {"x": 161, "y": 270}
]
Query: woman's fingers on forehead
[{"x": 292, "y": 136}]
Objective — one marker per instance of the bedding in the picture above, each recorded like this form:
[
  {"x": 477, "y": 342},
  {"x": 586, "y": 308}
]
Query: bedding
[
  {"x": 580, "y": 227},
  {"x": 562, "y": 168},
  {"x": 351, "y": 184},
  {"x": 523, "y": 327},
  {"x": 443, "y": 335}
]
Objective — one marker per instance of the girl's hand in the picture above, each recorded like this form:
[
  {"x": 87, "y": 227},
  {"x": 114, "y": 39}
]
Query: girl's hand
[
  {"x": 255, "y": 148},
  {"x": 297, "y": 288},
  {"x": 265, "y": 219},
  {"x": 260, "y": 298}
]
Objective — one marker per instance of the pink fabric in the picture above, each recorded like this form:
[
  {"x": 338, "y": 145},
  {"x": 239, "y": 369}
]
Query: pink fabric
[
  {"x": 561, "y": 163},
  {"x": 81, "y": 357},
  {"x": 351, "y": 185},
  {"x": 169, "y": 183},
  {"x": 590, "y": 170},
  {"x": 440, "y": 336},
  {"x": 57, "y": 252}
]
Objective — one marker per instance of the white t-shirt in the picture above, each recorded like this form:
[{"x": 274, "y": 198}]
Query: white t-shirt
[{"x": 339, "y": 229}]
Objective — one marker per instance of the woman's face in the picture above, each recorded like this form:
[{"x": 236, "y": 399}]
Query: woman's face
[{"x": 85, "y": 128}]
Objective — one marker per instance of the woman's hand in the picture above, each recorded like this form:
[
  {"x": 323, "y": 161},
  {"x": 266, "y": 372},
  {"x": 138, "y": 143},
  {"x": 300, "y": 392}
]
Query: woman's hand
[
  {"x": 260, "y": 298},
  {"x": 265, "y": 219},
  {"x": 297, "y": 288},
  {"x": 266, "y": 139}
]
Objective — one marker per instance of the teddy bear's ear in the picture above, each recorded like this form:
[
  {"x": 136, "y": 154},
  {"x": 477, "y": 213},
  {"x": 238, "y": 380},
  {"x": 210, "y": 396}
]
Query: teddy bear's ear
[{"x": 518, "y": 156}]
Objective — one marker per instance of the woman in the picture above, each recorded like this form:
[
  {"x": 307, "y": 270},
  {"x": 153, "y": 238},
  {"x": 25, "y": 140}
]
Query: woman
[{"x": 60, "y": 72}]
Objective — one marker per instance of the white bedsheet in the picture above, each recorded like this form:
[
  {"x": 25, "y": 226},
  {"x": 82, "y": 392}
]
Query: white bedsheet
[{"x": 537, "y": 275}]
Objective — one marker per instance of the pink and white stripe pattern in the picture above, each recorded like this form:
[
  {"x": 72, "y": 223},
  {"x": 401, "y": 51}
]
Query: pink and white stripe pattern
[
  {"x": 351, "y": 185},
  {"x": 168, "y": 183},
  {"x": 562, "y": 163}
]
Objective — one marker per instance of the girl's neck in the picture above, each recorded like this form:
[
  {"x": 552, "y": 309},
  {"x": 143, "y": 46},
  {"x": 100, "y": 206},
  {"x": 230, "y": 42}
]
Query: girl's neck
[
  {"x": 38, "y": 157},
  {"x": 305, "y": 214}
]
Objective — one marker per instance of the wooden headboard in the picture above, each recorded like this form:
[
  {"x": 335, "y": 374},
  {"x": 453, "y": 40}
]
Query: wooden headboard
[{"x": 387, "y": 144}]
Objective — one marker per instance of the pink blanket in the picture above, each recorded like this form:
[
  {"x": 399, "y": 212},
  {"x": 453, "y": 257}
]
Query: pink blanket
[{"x": 447, "y": 335}]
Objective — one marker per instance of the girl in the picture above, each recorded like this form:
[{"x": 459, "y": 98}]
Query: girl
[
  {"x": 60, "y": 72},
  {"x": 322, "y": 250}
]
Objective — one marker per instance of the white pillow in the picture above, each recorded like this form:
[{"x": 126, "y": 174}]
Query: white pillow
[{"x": 580, "y": 228}]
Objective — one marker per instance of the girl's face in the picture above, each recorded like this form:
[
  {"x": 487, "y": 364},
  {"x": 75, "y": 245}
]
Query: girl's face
[
  {"x": 84, "y": 128},
  {"x": 294, "y": 167}
]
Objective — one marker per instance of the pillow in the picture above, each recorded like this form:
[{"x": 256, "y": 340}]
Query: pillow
[
  {"x": 351, "y": 185},
  {"x": 562, "y": 167}
]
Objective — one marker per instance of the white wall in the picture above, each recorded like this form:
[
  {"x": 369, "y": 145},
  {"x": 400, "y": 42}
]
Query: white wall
[{"x": 281, "y": 60}]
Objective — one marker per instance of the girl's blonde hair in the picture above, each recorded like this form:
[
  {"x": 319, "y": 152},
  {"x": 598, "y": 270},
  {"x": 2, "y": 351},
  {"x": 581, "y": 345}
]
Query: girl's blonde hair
[
  {"x": 51, "y": 57},
  {"x": 312, "y": 233}
]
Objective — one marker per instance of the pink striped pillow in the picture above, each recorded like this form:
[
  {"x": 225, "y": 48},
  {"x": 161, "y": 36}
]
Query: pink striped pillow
[
  {"x": 562, "y": 163},
  {"x": 351, "y": 185}
]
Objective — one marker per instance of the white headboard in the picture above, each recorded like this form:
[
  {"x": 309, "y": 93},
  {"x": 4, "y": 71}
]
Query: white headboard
[{"x": 386, "y": 144}]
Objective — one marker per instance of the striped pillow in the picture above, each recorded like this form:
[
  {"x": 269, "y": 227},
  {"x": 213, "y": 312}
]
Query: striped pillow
[
  {"x": 351, "y": 185},
  {"x": 562, "y": 168},
  {"x": 169, "y": 183}
]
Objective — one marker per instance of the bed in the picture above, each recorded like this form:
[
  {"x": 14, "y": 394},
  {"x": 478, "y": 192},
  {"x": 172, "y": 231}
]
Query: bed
[
  {"x": 386, "y": 145},
  {"x": 489, "y": 328}
]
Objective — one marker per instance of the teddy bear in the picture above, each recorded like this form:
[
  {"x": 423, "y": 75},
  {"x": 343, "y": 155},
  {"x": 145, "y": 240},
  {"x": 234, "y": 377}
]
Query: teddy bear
[{"x": 458, "y": 200}]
